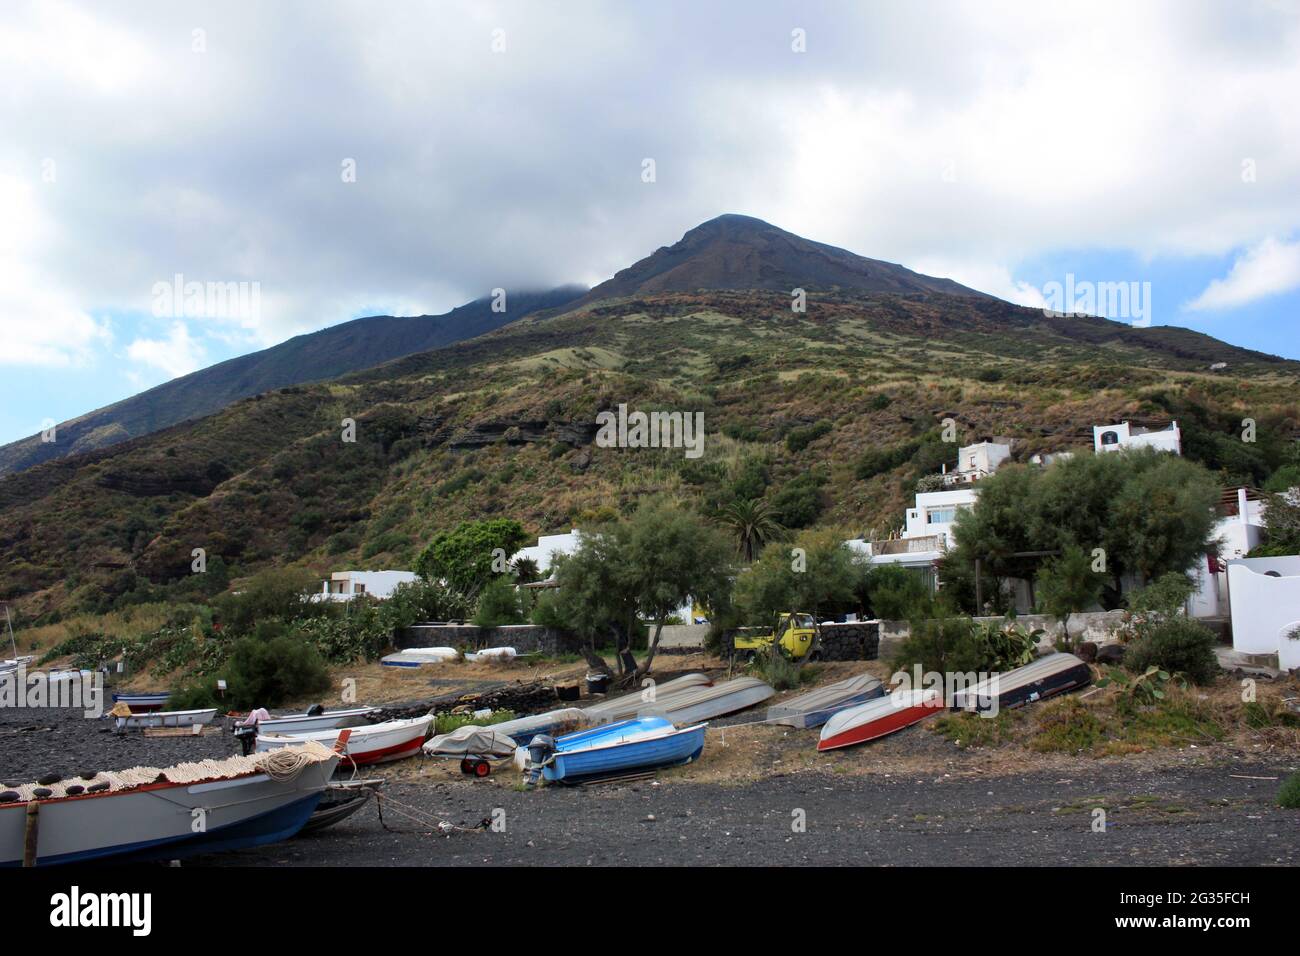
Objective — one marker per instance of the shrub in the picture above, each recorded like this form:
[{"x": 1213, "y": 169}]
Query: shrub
[
  {"x": 895, "y": 593},
  {"x": 1288, "y": 796},
  {"x": 1176, "y": 645},
  {"x": 800, "y": 438},
  {"x": 446, "y": 723},
  {"x": 499, "y": 604},
  {"x": 269, "y": 673},
  {"x": 945, "y": 645}
]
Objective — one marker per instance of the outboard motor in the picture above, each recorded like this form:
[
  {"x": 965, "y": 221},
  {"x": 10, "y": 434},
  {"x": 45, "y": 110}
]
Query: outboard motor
[
  {"x": 315, "y": 710},
  {"x": 247, "y": 737},
  {"x": 540, "y": 750}
]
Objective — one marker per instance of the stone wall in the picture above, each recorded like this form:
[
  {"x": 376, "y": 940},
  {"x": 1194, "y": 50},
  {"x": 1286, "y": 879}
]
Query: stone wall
[
  {"x": 524, "y": 638},
  {"x": 1096, "y": 626}
]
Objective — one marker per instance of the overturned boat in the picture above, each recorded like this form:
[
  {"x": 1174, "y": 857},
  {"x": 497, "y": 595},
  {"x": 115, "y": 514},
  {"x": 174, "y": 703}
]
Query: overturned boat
[
  {"x": 420, "y": 656},
  {"x": 644, "y": 743},
  {"x": 816, "y": 707},
  {"x": 553, "y": 722},
  {"x": 687, "y": 700},
  {"x": 142, "y": 703},
  {"x": 149, "y": 813},
  {"x": 1049, "y": 675},
  {"x": 880, "y": 717},
  {"x": 695, "y": 704}
]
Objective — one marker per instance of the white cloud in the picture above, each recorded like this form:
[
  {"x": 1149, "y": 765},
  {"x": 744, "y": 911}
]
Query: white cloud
[
  {"x": 1267, "y": 268},
  {"x": 177, "y": 354},
  {"x": 1119, "y": 128}
]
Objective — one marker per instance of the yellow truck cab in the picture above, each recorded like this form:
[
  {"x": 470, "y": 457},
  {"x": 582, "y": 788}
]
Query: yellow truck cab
[{"x": 795, "y": 633}]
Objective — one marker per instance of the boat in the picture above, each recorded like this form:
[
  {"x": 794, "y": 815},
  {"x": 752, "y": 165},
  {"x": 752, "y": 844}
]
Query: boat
[
  {"x": 816, "y": 707},
  {"x": 640, "y": 744},
  {"x": 374, "y": 743},
  {"x": 167, "y": 718},
  {"x": 13, "y": 663},
  {"x": 475, "y": 746},
  {"x": 419, "y": 656},
  {"x": 340, "y": 800},
  {"x": 630, "y": 704},
  {"x": 142, "y": 703},
  {"x": 553, "y": 722},
  {"x": 309, "y": 722},
  {"x": 490, "y": 655},
  {"x": 1049, "y": 675},
  {"x": 879, "y": 717},
  {"x": 148, "y": 813},
  {"x": 694, "y": 704}
]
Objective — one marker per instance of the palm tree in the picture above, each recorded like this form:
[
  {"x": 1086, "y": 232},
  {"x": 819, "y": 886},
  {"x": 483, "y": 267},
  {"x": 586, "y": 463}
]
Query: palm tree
[{"x": 752, "y": 522}]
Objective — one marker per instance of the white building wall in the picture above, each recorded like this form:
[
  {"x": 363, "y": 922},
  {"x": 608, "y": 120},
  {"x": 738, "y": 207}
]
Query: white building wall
[
  {"x": 344, "y": 585},
  {"x": 1265, "y": 609},
  {"x": 547, "y": 547},
  {"x": 935, "y": 512}
]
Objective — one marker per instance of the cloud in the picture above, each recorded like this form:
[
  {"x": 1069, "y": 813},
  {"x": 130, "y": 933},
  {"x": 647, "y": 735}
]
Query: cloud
[
  {"x": 1267, "y": 268},
  {"x": 177, "y": 354},
  {"x": 910, "y": 132}
]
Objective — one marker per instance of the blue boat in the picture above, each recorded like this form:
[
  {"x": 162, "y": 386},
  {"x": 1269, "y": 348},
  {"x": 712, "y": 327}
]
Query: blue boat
[{"x": 640, "y": 744}]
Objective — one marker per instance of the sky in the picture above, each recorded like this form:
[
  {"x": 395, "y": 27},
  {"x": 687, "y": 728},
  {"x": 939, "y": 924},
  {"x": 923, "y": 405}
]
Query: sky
[{"x": 302, "y": 164}]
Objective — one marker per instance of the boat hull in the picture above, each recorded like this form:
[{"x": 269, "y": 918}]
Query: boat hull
[
  {"x": 623, "y": 747},
  {"x": 304, "y": 724},
  {"x": 141, "y": 703},
  {"x": 167, "y": 718},
  {"x": 156, "y": 821},
  {"x": 1046, "y": 677},
  {"x": 878, "y": 718},
  {"x": 815, "y": 708},
  {"x": 377, "y": 743}
]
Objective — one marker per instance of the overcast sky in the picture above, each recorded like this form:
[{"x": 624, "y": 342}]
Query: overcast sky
[{"x": 502, "y": 144}]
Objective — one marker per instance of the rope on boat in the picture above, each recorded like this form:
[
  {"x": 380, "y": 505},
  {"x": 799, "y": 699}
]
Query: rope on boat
[{"x": 285, "y": 763}]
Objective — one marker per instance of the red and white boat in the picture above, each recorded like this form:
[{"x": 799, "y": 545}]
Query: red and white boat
[
  {"x": 376, "y": 743},
  {"x": 879, "y": 717}
]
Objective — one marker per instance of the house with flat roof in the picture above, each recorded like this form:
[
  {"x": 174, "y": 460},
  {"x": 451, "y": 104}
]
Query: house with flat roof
[
  {"x": 1125, "y": 435},
  {"x": 345, "y": 585}
]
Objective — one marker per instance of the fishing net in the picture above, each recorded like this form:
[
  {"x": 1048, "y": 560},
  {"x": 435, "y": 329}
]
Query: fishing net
[{"x": 283, "y": 764}]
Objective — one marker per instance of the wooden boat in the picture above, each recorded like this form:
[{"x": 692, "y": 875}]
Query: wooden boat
[
  {"x": 374, "y": 743},
  {"x": 816, "y": 707},
  {"x": 167, "y": 718},
  {"x": 142, "y": 703},
  {"x": 695, "y": 704},
  {"x": 1049, "y": 675},
  {"x": 420, "y": 656},
  {"x": 632, "y": 703},
  {"x": 879, "y": 717},
  {"x": 13, "y": 663},
  {"x": 308, "y": 722},
  {"x": 147, "y": 813},
  {"x": 640, "y": 744}
]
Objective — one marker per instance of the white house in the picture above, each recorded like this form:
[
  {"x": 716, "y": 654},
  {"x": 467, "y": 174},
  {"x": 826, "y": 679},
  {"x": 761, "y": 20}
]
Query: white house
[
  {"x": 345, "y": 585},
  {"x": 1124, "y": 435},
  {"x": 1238, "y": 530},
  {"x": 978, "y": 461},
  {"x": 547, "y": 547},
  {"x": 935, "y": 512}
]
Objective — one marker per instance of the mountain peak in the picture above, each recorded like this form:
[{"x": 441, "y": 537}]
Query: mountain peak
[{"x": 735, "y": 251}]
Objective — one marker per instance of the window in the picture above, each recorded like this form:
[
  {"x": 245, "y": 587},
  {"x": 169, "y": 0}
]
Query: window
[
  {"x": 359, "y": 588},
  {"x": 1110, "y": 438},
  {"x": 940, "y": 515}
]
